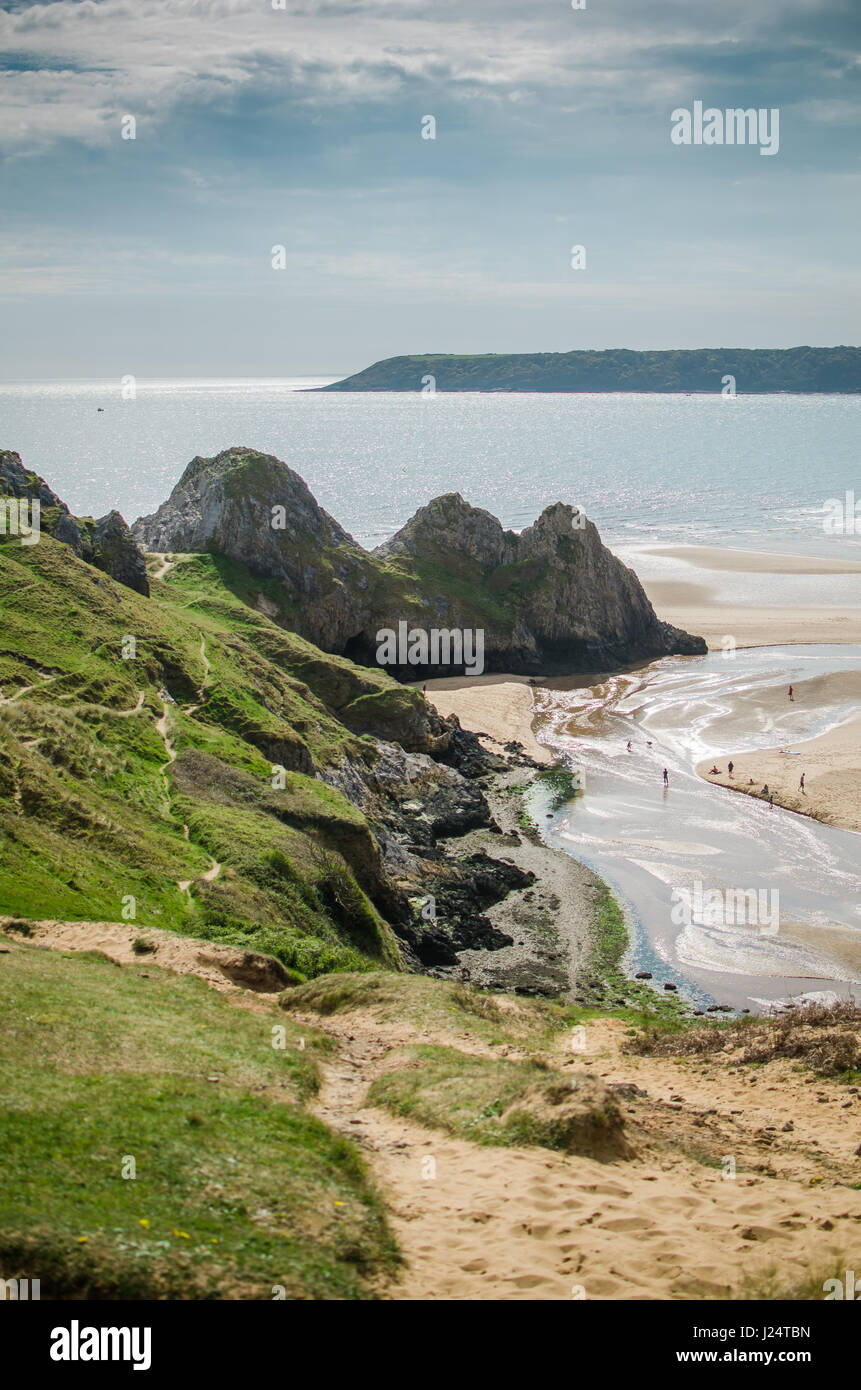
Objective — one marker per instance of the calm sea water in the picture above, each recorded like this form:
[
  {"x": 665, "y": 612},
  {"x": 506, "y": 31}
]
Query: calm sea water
[{"x": 754, "y": 471}]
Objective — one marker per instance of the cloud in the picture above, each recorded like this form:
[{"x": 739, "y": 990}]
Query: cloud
[{"x": 90, "y": 62}]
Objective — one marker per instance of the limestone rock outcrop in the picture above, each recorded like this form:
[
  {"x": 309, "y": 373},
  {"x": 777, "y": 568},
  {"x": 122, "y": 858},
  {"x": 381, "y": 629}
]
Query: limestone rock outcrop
[
  {"x": 553, "y": 598},
  {"x": 106, "y": 543}
]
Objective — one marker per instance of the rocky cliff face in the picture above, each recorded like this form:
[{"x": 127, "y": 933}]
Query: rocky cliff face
[
  {"x": 555, "y": 597},
  {"x": 552, "y": 598},
  {"x": 255, "y": 510},
  {"x": 106, "y": 543}
]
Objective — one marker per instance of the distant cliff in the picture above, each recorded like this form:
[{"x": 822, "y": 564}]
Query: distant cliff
[
  {"x": 756, "y": 371},
  {"x": 551, "y": 599}
]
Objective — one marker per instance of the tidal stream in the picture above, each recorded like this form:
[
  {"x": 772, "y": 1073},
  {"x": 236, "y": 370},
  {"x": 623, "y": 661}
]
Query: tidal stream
[{"x": 655, "y": 845}]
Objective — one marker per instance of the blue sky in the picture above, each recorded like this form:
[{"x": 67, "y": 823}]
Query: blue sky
[{"x": 257, "y": 127}]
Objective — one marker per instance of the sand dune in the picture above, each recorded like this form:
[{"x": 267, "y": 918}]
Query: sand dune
[
  {"x": 528, "y": 1223},
  {"x": 736, "y": 1177}
]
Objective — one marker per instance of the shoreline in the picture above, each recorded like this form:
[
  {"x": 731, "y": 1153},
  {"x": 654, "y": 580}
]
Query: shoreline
[
  {"x": 831, "y": 764},
  {"x": 500, "y": 707},
  {"x": 570, "y": 934},
  {"x": 691, "y": 595}
]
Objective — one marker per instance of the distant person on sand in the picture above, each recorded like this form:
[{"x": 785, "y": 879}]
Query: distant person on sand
[
  {"x": 424, "y": 690},
  {"x": 729, "y": 767},
  {"x": 764, "y": 791},
  {"x": 791, "y": 696},
  {"x": 714, "y": 770},
  {"x": 750, "y": 782},
  {"x": 771, "y": 803},
  {"x": 801, "y": 784},
  {"x": 666, "y": 778}
]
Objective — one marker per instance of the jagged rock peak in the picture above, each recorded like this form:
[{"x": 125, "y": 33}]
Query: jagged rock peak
[
  {"x": 449, "y": 519},
  {"x": 106, "y": 543},
  {"x": 551, "y": 598},
  {"x": 248, "y": 484}
]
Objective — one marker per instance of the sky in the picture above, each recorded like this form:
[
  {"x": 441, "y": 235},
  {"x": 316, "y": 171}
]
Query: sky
[{"x": 301, "y": 126}]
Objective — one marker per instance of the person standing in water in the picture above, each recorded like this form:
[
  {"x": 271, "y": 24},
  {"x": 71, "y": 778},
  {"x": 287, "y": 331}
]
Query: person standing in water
[{"x": 666, "y": 778}]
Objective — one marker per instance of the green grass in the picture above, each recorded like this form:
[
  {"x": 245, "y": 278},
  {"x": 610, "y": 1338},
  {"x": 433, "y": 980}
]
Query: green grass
[
  {"x": 237, "y": 1189},
  {"x": 491, "y": 1101},
  {"x": 88, "y": 818},
  {"x": 436, "y": 1004}
]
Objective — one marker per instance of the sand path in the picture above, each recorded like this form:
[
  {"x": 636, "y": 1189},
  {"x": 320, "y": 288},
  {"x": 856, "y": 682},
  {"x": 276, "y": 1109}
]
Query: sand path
[
  {"x": 183, "y": 884},
  {"x": 167, "y": 563},
  {"x": 484, "y": 1223}
]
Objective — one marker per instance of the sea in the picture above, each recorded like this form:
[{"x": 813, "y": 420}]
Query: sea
[
  {"x": 749, "y": 471},
  {"x": 767, "y": 473}
]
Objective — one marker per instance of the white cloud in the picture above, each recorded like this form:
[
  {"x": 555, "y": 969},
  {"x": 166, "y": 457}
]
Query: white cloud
[{"x": 121, "y": 55}]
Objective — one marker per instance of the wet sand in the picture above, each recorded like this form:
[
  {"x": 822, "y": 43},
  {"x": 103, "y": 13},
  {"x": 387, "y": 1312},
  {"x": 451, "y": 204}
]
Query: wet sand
[
  {"x": 702, "y": 605},
  {"x": 709, "y": 557},
  {"x": 695, "y": 608}
]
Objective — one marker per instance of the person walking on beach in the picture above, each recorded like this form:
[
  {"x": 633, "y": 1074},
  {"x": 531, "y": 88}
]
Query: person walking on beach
[
  {"x": 790, "y": 693},
  {"x": 801, "y": 784},
  {"x": 771, "y": 803},
  {"x": 666, "y": 778},
  {"x": 729, "y": 768}
]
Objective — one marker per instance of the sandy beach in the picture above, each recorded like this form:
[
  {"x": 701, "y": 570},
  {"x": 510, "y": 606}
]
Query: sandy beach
[
  {"x": 500, "y": 707},
  {"x": 694, "y": 608},
  {"x": 497, "y": 707},
  {"x": 755, "y": 561},
  {"x": 831, "y": 765},
  {"x": 699, "y": 606}
]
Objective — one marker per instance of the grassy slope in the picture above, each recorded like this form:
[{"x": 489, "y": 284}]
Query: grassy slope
[
  {"x": 397, "y": 588},
  {"x": 236, "y": 1191},
  {"x": 88, "y": 817},
  {"x": 481, "y": 1093},
  {"x": 435, "y": 1006}
]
